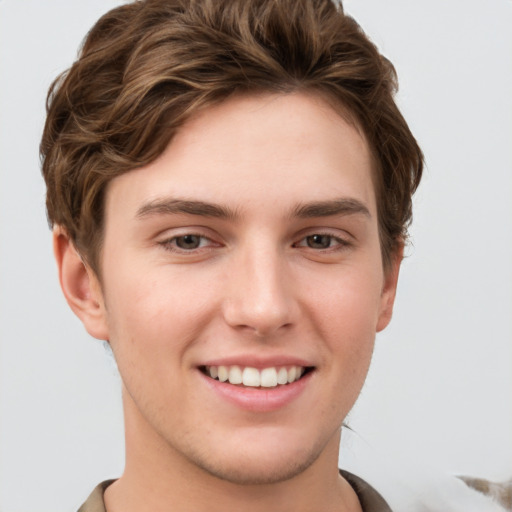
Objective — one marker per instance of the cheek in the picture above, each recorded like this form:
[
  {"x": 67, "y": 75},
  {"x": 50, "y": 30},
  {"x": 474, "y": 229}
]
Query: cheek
[
  {"x": 161, "y": 312},
  {"x": 346, "y": 310},
  {"x": 348, "y": 302}
]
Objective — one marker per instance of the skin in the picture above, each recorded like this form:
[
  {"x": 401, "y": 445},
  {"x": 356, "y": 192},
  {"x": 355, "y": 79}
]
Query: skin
[{"x": 259, "y": 285}]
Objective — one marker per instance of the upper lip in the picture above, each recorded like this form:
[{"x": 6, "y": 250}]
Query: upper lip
[{"x": 255, "y": 361}]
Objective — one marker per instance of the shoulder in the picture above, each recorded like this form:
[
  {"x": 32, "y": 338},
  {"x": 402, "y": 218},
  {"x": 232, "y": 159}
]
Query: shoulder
[
  {"x": 370, "y": 499},
  {"x": 95, "y": 501}
]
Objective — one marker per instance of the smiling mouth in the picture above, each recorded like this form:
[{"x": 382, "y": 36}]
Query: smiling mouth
[{"x": 270, "y": 377}]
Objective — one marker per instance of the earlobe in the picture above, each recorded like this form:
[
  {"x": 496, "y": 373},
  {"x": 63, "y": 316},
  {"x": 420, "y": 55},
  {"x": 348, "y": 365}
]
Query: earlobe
[
  {"x": 389, "y": 289},
  {"x": 80, "y": 285}
]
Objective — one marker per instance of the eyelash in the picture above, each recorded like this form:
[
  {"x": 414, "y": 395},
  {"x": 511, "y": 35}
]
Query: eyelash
[{"x": 334, "y": 243}]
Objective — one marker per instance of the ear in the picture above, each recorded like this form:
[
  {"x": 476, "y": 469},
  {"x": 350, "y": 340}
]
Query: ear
[
  {"x": 80, "y": 285},
  {"x": 388, "y": 295}
]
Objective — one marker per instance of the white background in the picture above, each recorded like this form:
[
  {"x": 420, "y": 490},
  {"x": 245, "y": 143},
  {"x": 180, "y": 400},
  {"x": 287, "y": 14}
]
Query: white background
[{"x": 439, "y": 395}]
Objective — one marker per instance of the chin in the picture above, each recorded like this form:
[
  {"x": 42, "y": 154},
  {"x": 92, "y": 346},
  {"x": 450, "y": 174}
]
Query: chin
[
  {"x": 259, "y": 472},
  {"x": 258, "y": 465}
]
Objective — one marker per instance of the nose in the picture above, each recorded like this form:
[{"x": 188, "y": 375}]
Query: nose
[{"x": 259, "y": 295}]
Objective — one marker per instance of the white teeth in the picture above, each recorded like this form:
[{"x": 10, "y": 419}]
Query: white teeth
[
  {"x": 268, "y": 378},
  {"x": 282, "y": 376},
  {"x": 252, "y": 377},
  {"x": 222, "y": 372},
  {"x": 235, "y": 375}
]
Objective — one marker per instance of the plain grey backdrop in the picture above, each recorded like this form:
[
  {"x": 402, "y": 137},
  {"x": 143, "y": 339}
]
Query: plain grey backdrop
[{"x": 439, "y": 394}]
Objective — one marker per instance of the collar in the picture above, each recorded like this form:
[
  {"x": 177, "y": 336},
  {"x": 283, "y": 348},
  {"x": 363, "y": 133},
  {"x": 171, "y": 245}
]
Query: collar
[{"x": 371, "y": 500}]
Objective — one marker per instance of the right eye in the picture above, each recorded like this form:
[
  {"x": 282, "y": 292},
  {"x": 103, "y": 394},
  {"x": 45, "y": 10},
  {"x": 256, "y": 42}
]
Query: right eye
[{"x": 187, "y": 242}]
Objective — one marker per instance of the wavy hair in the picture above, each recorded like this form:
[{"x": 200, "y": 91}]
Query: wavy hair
[{"x": 147, "y": 66}]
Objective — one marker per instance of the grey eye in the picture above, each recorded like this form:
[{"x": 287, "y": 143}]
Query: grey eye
[
  {"x": 188, "y": 241},
  {"x": 319, "y": 241}
]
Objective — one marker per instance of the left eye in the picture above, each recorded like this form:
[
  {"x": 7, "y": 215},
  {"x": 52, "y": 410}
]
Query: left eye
[{"x": 320, "y": 241}]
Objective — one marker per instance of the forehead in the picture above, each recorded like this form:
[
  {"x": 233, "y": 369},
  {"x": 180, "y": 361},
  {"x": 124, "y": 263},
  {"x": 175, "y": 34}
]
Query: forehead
[{"x": 256, "y": 151}]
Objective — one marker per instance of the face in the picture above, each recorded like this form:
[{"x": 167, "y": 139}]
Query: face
[{"x": 249, "y": 251}]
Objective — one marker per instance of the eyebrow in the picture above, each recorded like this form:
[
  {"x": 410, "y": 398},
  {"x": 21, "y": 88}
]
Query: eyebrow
[
  {"x": 328, "y": 208},
  {"x": 342, "y": 206},
  {"x": 169, "y": 206}
]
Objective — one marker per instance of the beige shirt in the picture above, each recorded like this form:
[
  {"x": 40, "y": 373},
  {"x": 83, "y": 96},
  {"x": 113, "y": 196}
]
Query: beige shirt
[{"x": 371, "y": 500}]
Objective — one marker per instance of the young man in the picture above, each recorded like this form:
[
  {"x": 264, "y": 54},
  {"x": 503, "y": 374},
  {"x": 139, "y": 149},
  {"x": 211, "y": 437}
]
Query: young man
[{"x": 230, "y": 186}]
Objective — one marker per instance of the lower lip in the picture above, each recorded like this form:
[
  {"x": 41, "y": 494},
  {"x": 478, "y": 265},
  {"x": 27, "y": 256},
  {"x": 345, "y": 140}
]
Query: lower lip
[{"x": 259, "y": 399}]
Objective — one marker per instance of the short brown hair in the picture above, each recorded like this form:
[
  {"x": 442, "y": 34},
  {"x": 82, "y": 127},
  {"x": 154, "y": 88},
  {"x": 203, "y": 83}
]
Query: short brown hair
[{"x": 147, "y": 66}]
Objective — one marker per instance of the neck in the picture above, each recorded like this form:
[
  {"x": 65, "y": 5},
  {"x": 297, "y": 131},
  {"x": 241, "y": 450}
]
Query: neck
[{"x": 157, "y": 477}]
